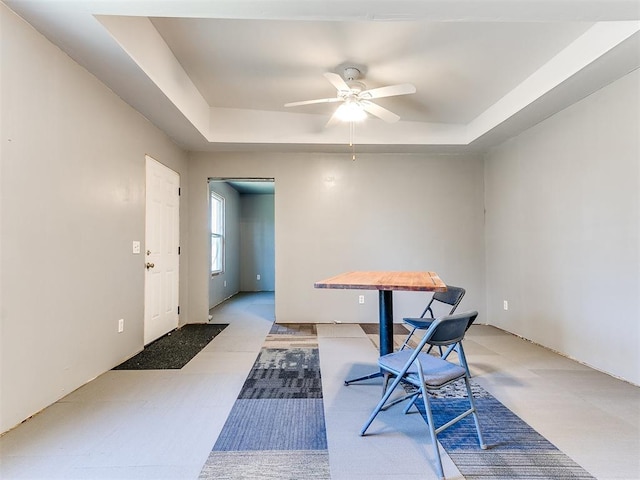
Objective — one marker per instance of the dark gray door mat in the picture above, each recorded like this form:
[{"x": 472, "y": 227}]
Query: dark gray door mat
[{"x": 175, "y": 349}]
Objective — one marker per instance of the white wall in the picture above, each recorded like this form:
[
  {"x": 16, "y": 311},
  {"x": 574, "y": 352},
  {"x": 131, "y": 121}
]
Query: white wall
[
  {"x": 72, "y": 197},
  {"x": 562, "y": 231},
  {"x": 257, "y": 243},
  {"x": 386, "y": 212}
]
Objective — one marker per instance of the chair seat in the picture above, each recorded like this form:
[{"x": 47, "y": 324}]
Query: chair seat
[
  {"x": 422, "y": 323},
  {"x": 437, "y": 372}
]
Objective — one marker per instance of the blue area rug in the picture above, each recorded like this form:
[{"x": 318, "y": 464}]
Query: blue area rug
[
  {"x": 284, "y": 373},
  {"x": 515, "y": 450},
  {"x": 276, "y": 428}
]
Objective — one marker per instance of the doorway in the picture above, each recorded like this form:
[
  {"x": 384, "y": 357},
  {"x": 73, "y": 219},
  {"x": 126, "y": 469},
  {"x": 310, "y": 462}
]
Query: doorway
[{"x": 249, "y": 237}]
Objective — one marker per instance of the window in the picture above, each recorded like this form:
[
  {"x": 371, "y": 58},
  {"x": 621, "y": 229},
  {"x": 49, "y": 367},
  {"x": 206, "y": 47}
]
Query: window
[{"x": 217, "y": 233}]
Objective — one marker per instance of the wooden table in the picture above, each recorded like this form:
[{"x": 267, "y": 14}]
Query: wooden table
[{"x": 385, "y": 283}]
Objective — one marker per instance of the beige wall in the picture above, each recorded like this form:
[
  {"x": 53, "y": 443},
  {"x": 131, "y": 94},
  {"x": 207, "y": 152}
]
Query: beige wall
[
  {"x": 257, "y": 243},
  {"x": 562, "y": 231},
  {"x": 72, "y": 201},
  {"x": 395, "y": 212}
]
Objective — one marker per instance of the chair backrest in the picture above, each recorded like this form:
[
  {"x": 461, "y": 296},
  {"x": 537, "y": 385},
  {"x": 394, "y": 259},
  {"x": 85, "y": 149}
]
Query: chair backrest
[
  {"x": 448, "y": 329},
  {"x": 453, "y": 296}
]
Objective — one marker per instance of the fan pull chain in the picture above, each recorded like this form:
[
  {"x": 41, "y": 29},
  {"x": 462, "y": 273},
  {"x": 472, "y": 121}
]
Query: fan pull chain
[{"x": 352, "y": 128}]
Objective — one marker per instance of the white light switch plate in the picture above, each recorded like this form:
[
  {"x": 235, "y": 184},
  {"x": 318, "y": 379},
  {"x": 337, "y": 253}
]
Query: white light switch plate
[{"x": 136, "y": 247}]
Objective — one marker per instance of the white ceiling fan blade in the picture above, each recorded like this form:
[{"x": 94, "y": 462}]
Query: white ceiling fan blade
[
  {"x": 334, "y": 120},
  {"x": 380, "y": 112},
  {"x": 337, "y": 81},
  {"x": 389, "y": 91},
  {"x": 311, "y": 102}
]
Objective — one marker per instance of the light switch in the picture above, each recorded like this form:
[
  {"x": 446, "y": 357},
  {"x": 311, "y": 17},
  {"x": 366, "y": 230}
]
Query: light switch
[{"x": 136, "y": 247}]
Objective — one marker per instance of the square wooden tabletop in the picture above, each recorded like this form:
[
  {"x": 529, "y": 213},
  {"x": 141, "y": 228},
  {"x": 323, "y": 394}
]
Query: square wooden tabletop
[{"x": 385, "y": 280}]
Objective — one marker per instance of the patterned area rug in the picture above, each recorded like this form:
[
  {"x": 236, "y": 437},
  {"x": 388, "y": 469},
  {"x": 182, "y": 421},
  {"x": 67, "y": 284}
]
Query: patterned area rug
[
  {"x": 276, "y": 428},
  {"x": 515, "y": 450}
]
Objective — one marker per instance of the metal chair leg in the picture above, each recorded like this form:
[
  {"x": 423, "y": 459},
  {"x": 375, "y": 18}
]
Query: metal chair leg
[
  {"x": 381, "y": 403},
  {"x": 412, "y": 402},
  {"x": 432, "y": 431},
  {"x": 483, "y": 445},
  {"x": 366, "y": 377},
  {"x": 406, "y": 341},
  {"x": 461, "y": 356}
]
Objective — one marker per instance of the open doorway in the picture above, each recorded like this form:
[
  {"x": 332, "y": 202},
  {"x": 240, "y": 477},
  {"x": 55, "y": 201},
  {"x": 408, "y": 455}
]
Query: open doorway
[{"x": 242, "y": 221}]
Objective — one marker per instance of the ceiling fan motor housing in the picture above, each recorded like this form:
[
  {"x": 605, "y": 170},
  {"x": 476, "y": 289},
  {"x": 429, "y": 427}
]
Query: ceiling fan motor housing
[
  {"x": 351, "y": 76},
  {"x": 351, "y": 73}
]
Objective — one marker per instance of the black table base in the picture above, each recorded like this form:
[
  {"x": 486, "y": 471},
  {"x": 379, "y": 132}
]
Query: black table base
[{"x": 385, "y": 305}]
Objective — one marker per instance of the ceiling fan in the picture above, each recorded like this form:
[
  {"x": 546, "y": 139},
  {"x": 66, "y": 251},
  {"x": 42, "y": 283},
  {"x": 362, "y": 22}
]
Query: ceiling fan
[{"x": 356, "y": 99}]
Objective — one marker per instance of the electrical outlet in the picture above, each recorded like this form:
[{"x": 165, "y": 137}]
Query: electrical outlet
[
  {"x": 121, "y": 325},
  {"x": 361, "y": 299},
  {"x": 505, "y": 305},
  {"x": 136, "y": 247},
  {"x": 258, "y": 277},
  {"x": 225, "y": 283}
]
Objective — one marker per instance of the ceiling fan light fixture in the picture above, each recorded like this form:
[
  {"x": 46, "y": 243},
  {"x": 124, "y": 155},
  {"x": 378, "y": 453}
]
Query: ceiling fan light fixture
[
  {"x": 351, "y": 111},
  {"x": 356, "y": 100}
]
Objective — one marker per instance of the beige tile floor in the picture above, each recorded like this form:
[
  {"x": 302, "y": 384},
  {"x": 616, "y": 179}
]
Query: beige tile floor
[{"x": 162, "y": 424}]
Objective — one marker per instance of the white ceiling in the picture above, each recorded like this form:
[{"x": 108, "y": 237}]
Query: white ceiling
[
  {"x": 253, "y": 64},
  {"x": 215, "y": 75}
]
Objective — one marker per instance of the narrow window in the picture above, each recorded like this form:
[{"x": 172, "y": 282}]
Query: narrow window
[{"x": 217, "y": 233}]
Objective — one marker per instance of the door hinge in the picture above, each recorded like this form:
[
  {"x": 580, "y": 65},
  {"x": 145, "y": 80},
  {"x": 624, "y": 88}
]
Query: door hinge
[
  {"x": 178, "y": 309},
  {"x": 178, "y": 250},
  {"x": 179, "y": 191}
]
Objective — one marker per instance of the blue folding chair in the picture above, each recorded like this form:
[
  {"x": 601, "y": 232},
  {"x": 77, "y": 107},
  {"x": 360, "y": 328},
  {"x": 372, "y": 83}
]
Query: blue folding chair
[
  {"x": 453, "y": 297},
  {"x": 429, "y": 373}
]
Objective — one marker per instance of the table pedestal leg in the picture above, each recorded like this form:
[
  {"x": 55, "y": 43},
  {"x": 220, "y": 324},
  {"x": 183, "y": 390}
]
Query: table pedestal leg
[
  {"x": 386, "y": 321},
  {"x": 385, "y": 305}
]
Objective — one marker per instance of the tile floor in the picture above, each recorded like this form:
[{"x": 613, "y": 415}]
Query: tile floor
[{"x": 163, "y": 424}]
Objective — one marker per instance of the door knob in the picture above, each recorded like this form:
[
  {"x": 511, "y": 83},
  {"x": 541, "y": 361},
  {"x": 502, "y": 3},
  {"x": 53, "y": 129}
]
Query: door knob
[{"x": 150, "y": 265}]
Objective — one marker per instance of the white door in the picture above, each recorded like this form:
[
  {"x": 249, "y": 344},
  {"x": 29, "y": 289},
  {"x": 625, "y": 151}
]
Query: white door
[{"x": 162, "y": 230}]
